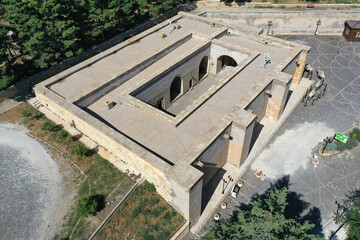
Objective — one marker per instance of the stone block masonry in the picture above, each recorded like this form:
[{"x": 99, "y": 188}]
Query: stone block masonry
[{"x": 214, "y": 63}]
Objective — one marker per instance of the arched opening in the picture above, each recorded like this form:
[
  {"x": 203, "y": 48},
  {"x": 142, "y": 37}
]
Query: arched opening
[
  {"x": 224, "y": 61},
  {"x": 203, "y": 68},
  {"x": 175, "y": 88}
]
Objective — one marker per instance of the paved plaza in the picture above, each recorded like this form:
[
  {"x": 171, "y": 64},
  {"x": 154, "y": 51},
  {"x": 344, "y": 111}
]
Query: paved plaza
[{"x": 286, "y": 159}]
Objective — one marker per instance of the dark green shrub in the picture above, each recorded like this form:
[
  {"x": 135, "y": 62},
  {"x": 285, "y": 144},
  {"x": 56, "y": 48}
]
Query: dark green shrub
[
  {"x": 173, "y": 213},
  {"x": 340, "y": 146},
  {"x": 62, "y": 135},
  {"x": 167, "y": 216},
  {"x": 90, "y": 204},
  {"x": 357, "y": 132},
  {"x": 150, "y": 187},
  {"x": 153, "y": 201},
  {"x": 50, "y": 126},
  {"x": 351, "y": 143},
  {"x": 146, "y": 212},
  {"x": 80, "y": 149},
  {"x": 26, "y": 113}
]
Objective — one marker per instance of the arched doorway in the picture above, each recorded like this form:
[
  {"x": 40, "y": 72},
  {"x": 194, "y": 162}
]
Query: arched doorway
[
  {"x": 175, "y": 88},
  {"x": 203, "y": 68},
  {"x": 224, "y": 61}
]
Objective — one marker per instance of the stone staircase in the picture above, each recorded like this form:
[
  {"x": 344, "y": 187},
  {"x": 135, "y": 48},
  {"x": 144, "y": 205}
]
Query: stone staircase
[{"x": 35, "y": 103}]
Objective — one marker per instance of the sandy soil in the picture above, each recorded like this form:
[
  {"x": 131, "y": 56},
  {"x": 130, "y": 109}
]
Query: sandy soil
[{"x": 36, "y": 191}]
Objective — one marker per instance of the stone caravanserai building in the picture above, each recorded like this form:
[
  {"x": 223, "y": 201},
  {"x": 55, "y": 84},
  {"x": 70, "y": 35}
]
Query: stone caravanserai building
[{"x": 179, "y": 100}]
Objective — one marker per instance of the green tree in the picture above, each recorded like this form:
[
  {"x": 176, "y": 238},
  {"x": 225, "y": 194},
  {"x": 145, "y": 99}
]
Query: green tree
[
  {"x": 87, "y": 205},
  {"x": 265, "y": 220},
  {"x": 98, "y": 20},
  {"x": 348, "y": 214},
  {"x": 44, "y": 30},
  {"x": 6, "y": 72}
]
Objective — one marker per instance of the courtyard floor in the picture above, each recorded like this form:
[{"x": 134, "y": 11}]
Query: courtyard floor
[{"x": 286, "y": 161}]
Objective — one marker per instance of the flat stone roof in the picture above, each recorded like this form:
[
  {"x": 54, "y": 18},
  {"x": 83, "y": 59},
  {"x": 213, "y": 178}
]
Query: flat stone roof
[{"x": 176, "y": 144}]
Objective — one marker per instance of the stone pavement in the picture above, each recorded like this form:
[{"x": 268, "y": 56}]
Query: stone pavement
[
  {"x": 286, "y": 162},
  {"x": 312, "y": 191}
]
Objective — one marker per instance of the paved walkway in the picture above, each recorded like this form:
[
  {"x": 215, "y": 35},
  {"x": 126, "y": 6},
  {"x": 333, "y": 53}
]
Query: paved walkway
[{"x": 286, "y": 160}]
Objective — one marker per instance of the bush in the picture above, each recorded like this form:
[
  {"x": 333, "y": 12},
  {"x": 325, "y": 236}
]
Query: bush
[
  {"x": 167, "y": 216},
  {"x": 357, "y": 132},
  {"x": 90, "y": 205},
  {"x": 150, "y": 187},
  {"x": 340, "y": 146},
  {"x": 26, "y": 113},
  {"x": 351, "y": 143},
  {"x": 153, "y": 201},
  {"x": 50, "y": 126},
  {"x": 80, "y": 149},
  {"x": 62, "y": 135}
]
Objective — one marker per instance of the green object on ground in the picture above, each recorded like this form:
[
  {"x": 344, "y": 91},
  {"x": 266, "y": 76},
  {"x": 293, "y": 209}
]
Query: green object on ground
[
  {"x": 330, "y": 146},
  {"x": 341, "y": 137}
]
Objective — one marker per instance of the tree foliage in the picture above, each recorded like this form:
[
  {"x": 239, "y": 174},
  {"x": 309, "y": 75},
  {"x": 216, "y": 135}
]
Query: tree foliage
[
  {"x": 50, "y": 31},
  {"x": 6, "y": 72},
  {"x": 349, "y": 214},
  {"x": 265, "y": 220},
  {"x": 90, "y": 205}
]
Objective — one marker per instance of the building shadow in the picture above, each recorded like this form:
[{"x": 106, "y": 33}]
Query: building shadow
[
  {"x": 257, "y": 130},
  {"x": 297, "y": 208},
  {"x": 209, "y": 188},
  {"x": 287, "y": 98}
]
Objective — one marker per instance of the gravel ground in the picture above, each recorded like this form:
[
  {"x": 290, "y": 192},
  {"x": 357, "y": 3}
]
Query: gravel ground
[{"x": 30, "y": 186}]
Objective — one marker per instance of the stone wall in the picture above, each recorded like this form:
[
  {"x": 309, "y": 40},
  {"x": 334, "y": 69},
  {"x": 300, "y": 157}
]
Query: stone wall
[
  {"x": 287, "y": 21},
  {"x": 214, "y": 157},
  {"x": 160, "y": 88},
  {"x": 97, "y": 131}
]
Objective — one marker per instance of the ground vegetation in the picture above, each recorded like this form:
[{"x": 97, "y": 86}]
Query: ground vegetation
[{"x": 348, "y": 214}]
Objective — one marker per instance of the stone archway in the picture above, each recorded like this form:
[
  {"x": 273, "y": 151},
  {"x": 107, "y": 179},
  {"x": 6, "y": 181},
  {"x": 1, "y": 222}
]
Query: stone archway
[
  {"x": 224, "y": 61},
  {"x": 175, "y": 89},
  {"x": 203, "y": 67}
]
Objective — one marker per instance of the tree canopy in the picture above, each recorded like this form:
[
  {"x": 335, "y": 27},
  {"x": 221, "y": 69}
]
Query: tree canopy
[
  {"x": 265, "y": 220},
  {"x": 348, "y": 214},
  {"x": 50, "y": 31}
]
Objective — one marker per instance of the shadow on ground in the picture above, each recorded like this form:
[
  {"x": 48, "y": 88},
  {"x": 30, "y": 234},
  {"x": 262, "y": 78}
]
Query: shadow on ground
[{"x": 297, "y": 208}]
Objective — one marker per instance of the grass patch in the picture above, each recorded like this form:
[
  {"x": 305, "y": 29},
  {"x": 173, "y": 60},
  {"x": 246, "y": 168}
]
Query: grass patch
[{"x": 143, "y": 207}]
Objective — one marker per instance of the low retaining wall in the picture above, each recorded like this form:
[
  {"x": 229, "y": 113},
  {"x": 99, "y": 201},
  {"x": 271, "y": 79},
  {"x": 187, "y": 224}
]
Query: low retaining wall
[{"x": 287, "y": 21}]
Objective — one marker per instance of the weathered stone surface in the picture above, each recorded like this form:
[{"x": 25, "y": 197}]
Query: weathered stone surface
[{"x": 214, "y": 128}]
